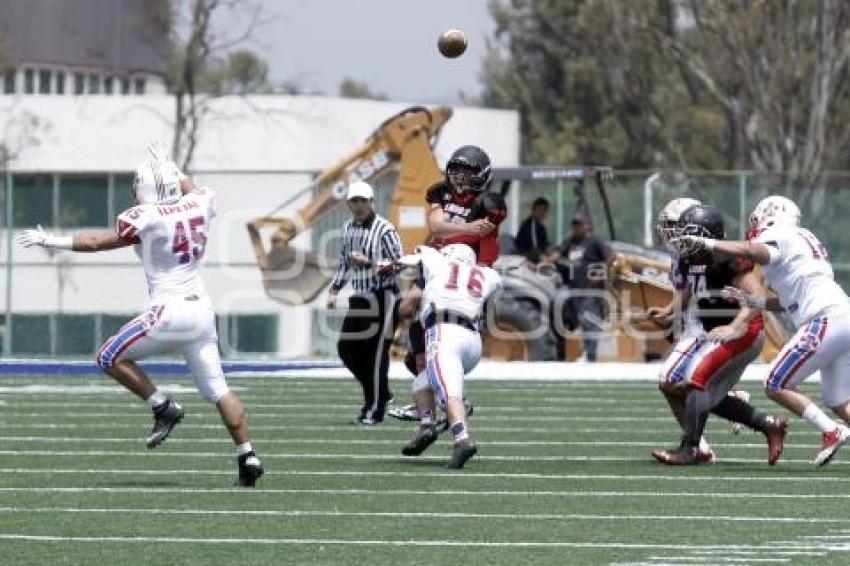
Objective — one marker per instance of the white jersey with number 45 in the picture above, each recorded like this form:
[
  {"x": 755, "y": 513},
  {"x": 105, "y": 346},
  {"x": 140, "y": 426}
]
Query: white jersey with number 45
[
  {"x": 455, "y": 286},
  {"x": 800, "y": 273},
  {"x": 170, "y": 240}
]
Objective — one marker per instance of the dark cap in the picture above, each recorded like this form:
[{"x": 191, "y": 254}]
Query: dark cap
[{"x": 579, "y": 218}]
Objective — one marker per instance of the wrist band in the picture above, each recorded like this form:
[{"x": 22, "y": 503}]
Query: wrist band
[
  {"x": 709, "y": 243},
  {"x": 60, "y": 242},
  {"x": 756, "y": 301}
]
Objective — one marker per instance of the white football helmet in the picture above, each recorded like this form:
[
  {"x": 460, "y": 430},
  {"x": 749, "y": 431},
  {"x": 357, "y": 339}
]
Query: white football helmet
[
  {"x": 157, "y": 182},
  {"x": 460, "y": 252},
  {"x": 774, "y": 210},
  {"x": 669, "y": 216}
]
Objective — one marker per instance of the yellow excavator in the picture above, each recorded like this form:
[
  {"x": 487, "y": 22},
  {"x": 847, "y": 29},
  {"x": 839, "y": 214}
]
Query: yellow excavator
[{"x": 402, "y": 147}]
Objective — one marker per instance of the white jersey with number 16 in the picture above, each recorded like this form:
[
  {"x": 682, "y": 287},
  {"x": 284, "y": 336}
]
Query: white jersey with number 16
[
  {"x": 170, "y": 240},
  {"x": 455, "y": 286}
]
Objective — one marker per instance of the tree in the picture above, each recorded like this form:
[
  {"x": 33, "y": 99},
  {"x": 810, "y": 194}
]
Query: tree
[
  {"x": 204, "y": 63},
  {"x": 690, "y": 84},
  {"x": 351, "y": 88}
]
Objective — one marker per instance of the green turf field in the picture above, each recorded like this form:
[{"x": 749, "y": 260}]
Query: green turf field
[{"x": 563, "y": 477}]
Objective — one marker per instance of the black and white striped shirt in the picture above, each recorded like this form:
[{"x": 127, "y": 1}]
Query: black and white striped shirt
[{"x": 378, "y": 240}]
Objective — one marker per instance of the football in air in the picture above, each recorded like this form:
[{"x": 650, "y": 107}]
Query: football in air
[{"x": 452, "y": 43}]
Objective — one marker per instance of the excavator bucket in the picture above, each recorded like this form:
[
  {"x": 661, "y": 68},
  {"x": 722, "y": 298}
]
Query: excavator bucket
[{"x": 296, "y": 277}]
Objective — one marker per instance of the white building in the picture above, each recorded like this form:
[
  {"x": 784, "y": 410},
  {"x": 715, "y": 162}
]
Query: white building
[{"x": 71, "y": 168}]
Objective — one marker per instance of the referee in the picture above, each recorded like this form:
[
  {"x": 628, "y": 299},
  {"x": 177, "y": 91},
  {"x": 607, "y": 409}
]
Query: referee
[{"x": 369, "y": 242}]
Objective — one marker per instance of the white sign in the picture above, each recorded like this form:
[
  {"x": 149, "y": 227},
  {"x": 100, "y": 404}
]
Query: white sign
[{"x": 411, "y": 217}]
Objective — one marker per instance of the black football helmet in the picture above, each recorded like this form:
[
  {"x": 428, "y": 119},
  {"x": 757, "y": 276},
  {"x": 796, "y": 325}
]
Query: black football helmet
[
  {"x": 702, "y": 220},
  {"x": 469, "y": 169}
]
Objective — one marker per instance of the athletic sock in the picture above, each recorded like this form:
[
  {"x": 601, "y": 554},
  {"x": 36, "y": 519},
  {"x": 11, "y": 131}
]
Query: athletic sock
[
  {"x": 157, "y": 399},
  {"x": 697, "y": 405},
  {"x": 426, "y": 417},
  {"x": 245, "y": 448},
  {"x": 737, "y": 410},
  {"x": 819, "y": 419},
  {"x": 459, "y": 431}
]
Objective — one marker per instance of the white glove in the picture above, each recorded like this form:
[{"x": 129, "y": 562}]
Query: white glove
[{"x": 39, "y": 237}]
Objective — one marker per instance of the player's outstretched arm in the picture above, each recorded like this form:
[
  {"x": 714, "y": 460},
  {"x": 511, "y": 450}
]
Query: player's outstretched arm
[
  {"x": 82, "y": 242},
  {"x": 755, "y": 251}
]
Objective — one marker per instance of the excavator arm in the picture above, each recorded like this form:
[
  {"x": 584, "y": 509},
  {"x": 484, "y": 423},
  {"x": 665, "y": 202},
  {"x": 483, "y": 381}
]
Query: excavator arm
[{"x": 403, "y": 144}]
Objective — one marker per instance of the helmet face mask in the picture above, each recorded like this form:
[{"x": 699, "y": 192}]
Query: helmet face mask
[
  {"x": 702, "y": 221},
  {"x": 774, "y": 210},
  {"x": 468, "y": 169},
  {"x": 156, "y": 182},
  {"x": 668, "y": 219}
]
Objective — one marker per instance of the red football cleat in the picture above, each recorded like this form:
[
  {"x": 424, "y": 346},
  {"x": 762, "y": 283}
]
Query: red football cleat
[
  {"x": 830, "y": 443},
  {"x": 775, "y": 435}
]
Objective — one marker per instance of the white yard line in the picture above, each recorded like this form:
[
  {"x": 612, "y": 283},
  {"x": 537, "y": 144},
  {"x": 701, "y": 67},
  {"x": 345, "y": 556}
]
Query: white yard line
[
  {"x": 403, "y": 543},
  {"x": 466, "y": 475},
  {"x": 430, "y": 493},
  {"x": 392, "y": 442},
  {"x": 421, "y": 515}
]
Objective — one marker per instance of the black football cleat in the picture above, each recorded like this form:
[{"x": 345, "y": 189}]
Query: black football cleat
[
  {"x": 463, "y": 451},
  {"x": 250, "y": 470},
  {"x": 164, "y": 421},
  {"x": 775, "y": 433},
  {"x": 425, "y": 437}
]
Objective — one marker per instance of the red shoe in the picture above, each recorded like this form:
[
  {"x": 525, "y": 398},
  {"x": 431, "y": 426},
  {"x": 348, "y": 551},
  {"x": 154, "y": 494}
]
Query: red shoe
[
  {"x": 775, "y": 435},
  {"x": 682, "y": 456},
  {"x": 830, "y": 443}
]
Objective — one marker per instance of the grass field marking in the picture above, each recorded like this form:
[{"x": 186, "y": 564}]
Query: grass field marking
[
  {"x": 385, "y": 442},
  {"x": 639, "y": 416},
  {"x": 451, "y": 493},
  {"x": 423, "y": 515},
  {"x": 429, "y": 543},
  {"x": 722, "y": 560},
  {"x": 339, "y": 456},
  {"x": 389, "y": 426},
  {"x": 423, "y": 474}
]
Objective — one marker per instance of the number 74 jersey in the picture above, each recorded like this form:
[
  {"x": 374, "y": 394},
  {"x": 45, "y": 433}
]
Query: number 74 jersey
[
  {"x": 454, "y": 286},
  {"x": 170, "y": 239}
]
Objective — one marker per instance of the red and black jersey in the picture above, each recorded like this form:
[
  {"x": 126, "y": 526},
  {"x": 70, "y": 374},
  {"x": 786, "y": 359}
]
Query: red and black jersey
[
  {"x": 705, "y": 278},
  {"x": 468, "y": 207}
]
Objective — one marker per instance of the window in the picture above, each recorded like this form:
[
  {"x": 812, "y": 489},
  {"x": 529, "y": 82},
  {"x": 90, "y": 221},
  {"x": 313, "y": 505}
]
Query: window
[
  {"x": 75, "y": 334},
  {"x": 60, "y": 82},
  {"x": 94, "y": 83},
  {"x": 9, "y": 81},
  {"x": 31, "y": 334},
  {"x": 139, "y": 86},
  {"x": 29, "y": 81},
  {"x": 83, "y": 201},
  {"x": 107, "y": 85},
  {"x": 255, "y": 333},
  {"x": 79, "y": 83},
  {"x": 123, "y": 196},
  {"x": 32, "y": 200},
  {"x": 44, "y": 80},
  {"x": 125, "y": 85}
]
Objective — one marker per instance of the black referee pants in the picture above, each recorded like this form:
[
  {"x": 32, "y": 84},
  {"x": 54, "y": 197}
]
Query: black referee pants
[{"x": 364, "y": 347}]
